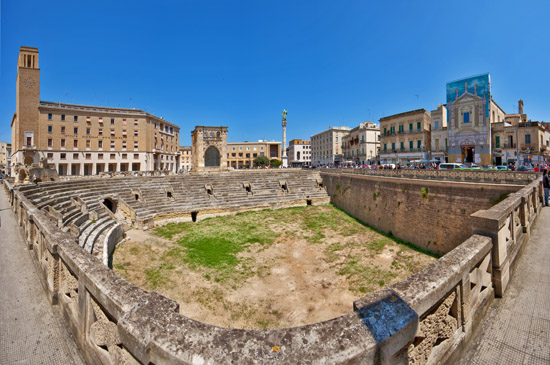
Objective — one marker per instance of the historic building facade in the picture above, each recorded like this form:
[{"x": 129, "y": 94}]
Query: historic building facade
[
  {"x": 185, "y": 159},
  {"x": 361, "y": 145},
  {"x": 299, "y": 153},
  {"x": 439, "y": 134},
  {"x": 242, "y": 154},
  {"x": 405, "y": 137},
  {"x": 209, "y": 148},
  {"x": 326, "y": 147},
  {"x": 82, "y": 139}
]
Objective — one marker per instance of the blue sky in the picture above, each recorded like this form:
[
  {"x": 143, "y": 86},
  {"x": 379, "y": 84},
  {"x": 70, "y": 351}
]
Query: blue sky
[{"x": 239, "y": 63}]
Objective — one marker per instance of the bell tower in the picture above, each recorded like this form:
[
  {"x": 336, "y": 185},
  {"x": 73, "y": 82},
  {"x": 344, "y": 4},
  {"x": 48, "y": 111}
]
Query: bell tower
[{"x": 25, "y": 126}]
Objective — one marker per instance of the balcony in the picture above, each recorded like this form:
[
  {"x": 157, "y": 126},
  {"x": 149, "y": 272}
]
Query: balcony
[{"x": 508, "y": 145}]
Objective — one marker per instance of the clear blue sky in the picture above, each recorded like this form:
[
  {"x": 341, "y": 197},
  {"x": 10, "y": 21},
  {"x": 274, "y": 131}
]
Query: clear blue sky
[{"x": 239, "y": 63}]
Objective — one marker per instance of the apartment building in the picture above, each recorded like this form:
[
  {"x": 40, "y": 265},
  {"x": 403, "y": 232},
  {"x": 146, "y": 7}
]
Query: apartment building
[
  {"x": 439, "y": 134},
  {"x": 5, "y": 158},
  {"x": 185, "y": 159},
  {"x": 326, "y": 147},
  {"x": 242, "y": 154},
  {"x": 83, "y": 139},
  {"x": 361, "y": 145},
  {"x": 299, "y": 153},
  {"x": 405, "y": 137}
]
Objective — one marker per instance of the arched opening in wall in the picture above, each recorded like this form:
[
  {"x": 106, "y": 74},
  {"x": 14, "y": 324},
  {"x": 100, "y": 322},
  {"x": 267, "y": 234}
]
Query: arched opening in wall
[
  {"x": 194, "y": 216},
  {"x": 110, "y": 204},
  {"x": 22, "y": 175},
  {"x": 212, "y": 157},
  {"x": 29, "y": 160}
]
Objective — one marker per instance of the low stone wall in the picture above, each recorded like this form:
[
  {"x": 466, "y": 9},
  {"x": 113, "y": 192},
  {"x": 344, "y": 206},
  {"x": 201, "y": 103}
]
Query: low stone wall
[
  {"x": 433, "y": 215},
  {"x": 422, "y": 319},
  {"x": 491, "y": 176}
]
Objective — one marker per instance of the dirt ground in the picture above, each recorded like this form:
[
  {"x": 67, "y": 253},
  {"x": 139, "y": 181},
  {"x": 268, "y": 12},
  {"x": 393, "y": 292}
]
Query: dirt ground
[{"x": 290, "y": 282}]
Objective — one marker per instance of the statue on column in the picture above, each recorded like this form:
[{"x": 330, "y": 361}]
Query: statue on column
[{"x": 284, "y": 117}]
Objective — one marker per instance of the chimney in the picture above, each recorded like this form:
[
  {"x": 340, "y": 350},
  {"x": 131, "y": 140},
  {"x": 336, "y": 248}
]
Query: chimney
[{"x": 520, "y": 106}]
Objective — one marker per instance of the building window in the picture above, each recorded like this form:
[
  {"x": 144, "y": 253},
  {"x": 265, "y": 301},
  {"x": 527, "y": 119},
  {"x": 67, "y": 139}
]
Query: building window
[
  {"x": 100, "y": 156},
  {"x": 402, "y": 146},
  {"x": 112, "y": 156},
  {"x": 136, "y": 156},
  {"x": 88, "y": 143},
  {"x": 75, "y": 156},
  {"x": 76, "y": 118},
  {"x": 112, "y": 132},
  {"x": 100, "y": 144},
  {"x": 62, "y": 117},
  {"x": 50, "y": 116},
  {"x": 88, "y": 156},
  {"x": 135, "y": 122},
  {"x": 135, "y": 133},
  {"x": 124, "y": 156},
  {"x": 393, "y": 146},
  {"x": 50, "y": 155},
  {"x": 124, "y": 132},
  {"x": 63, "y": 143},
  {"x": 135, "y": 145},
  {"x": 112, "y": 121},
  {"x": 527, "y": 138},
  {"x": 63, "y": 130},
  {"x": 100, "y": 132},
  {"x": 88, "y": 131},
  {"x": 418, "y": 144},
  {"x": 411, "y": 145},
  {"x": 124, "y": 122},
  {"x": 385, "y": 147},
  {"x": 466, "y": 117},
  {"x": 75, "y": 143},
  {"x": 418, "y": 125},
  {"x": 124, "y": 145},
  {"x": 63, "y": 156},
  {"x": 436, "y": 125},
  {"x": 112, "y": 145},
  {"x": 50, "y": 129},
  {"x": 75, "y": 130},
  {"x": 497, "y": 141},
  {"x": 410, "y": 126},
  {"x": 50, "y": 142}
]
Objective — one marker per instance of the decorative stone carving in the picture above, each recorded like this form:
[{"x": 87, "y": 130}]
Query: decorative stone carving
[
  {"x": 480, "y": 281},
  {"x": 435, "y": 328},
  {"x": 209, "y": 150}
]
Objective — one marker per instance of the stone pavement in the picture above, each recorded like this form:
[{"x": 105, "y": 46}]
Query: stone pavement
[
  {"x": 516, "y": 329},
  {"x": 31, "y": 331}
]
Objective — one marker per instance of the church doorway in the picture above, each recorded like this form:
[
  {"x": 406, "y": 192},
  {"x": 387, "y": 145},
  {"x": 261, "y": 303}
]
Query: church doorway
[
  {"x": 212, "y": 157},
  {"x": 468, "y": 153}
]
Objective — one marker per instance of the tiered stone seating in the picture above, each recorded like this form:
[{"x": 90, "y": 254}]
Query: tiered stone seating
[{"x": 79, "y": 203}]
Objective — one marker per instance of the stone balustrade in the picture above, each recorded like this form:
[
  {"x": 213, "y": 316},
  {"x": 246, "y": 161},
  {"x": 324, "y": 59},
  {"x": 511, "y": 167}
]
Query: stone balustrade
[
  {"x": 490, "y": 176},
  {"x": 425, "y": 318}
]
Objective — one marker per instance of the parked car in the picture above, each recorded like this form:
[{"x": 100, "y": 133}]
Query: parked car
[
  {"x": 502, "y": 168},
  {"x": 525, "y": 168},
  {"x": 451, "y": 166}
]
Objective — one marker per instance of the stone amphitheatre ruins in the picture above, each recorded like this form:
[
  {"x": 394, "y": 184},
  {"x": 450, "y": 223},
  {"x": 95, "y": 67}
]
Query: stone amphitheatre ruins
[{"x": 478, "y": 220}]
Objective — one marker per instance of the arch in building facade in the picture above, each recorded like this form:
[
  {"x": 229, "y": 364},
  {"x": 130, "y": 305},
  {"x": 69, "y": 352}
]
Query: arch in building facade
[{"x": 212, "y": 157}]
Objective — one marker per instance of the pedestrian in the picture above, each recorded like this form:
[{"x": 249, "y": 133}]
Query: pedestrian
[{"x": 545, "y": 185}]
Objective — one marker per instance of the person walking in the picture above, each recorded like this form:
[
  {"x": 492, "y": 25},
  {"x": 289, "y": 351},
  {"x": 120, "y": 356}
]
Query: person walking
[{"x": 546, "y": 186}]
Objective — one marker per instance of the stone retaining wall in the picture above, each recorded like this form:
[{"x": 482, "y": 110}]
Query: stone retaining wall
[
  {"x": 422, "y": 319},
  {"x": 433, "y": 215}
]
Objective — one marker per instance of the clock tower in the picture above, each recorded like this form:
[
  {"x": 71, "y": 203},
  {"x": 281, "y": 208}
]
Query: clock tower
[{"x": 25, "y": 128}]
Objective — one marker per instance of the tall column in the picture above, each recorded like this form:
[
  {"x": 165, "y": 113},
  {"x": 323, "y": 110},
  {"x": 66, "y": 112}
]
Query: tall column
[{"x": 283, "y": 154}]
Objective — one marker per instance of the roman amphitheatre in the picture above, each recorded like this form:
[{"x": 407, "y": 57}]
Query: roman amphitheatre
[{"x": 292, "y": 266}]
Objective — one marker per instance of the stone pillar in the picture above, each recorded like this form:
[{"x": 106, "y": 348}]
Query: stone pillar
[{"x": 283, "y": 152}]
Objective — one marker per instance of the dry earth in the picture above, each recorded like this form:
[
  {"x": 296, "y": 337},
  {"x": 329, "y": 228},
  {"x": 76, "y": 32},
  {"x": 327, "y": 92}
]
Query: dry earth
[{"x": 304, "y": 276}]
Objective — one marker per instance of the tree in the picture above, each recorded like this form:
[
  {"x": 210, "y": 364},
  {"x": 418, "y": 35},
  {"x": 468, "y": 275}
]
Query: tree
[
  {"x": 261, "y": 161},
  {"x": 276, "y": 163}
]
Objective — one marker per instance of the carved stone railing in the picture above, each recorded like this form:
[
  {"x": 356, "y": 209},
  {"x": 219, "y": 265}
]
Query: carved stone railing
[
  {"x": 492, "y": 176},
  {"x": 425, "y": 318},
  {"x": 509, "y": 225}
]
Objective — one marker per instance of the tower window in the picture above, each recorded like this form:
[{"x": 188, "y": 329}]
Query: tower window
[
  {"x": 50, "y": 129},
  {"x": 62, "y": 117},
  {"x": 75, "y": 130},
  {"x": 76, "y": 118},
  {"x": 50, "y": 116},
  {"x": 112, "y": 121}
]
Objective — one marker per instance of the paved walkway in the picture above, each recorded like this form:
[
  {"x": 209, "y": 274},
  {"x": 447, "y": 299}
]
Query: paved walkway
[
  {"x": 31, "y": 332},
  {"x": 516, "y": 329}
]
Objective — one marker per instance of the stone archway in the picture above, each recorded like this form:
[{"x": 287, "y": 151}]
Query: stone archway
[{"x": 212, "y": 157}]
